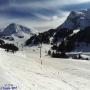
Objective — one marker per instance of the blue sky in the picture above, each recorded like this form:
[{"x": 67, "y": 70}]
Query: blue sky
[{"x": 40, "y": 14}]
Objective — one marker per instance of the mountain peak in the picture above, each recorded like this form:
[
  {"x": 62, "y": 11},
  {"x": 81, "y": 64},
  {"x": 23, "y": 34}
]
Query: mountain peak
[
  {"x": 13, "y": 24},
  {"x": 17, "y": 33},
  {"x": 77, "y": 19},
  {"x": 14, "y": 28}
]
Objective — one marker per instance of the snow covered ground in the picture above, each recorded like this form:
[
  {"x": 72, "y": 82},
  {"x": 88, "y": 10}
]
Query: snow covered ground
[{"x": 24, "y": 70}]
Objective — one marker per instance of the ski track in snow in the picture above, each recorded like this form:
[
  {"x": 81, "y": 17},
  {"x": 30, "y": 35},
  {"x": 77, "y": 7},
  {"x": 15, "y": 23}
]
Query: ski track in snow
[{"x": 24, "y": 70}]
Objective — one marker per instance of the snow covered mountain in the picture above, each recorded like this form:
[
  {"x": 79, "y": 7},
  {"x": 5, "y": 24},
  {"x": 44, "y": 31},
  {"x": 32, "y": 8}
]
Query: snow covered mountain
[
  {"x": 75, "y": 32},
  {"x": 17, "y": 30},
  {"x": 77, "y": 19},
  {"x": 17, "y": 33}
]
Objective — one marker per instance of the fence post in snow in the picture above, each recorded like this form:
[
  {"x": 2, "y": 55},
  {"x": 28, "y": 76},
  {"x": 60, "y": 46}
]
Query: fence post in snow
[{"x": 40, "y": 46}]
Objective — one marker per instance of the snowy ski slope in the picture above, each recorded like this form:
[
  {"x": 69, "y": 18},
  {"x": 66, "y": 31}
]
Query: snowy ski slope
[{"x": 24, "y": 70}]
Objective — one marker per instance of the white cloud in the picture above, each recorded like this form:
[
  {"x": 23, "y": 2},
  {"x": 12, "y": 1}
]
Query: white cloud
[
  {"x": 48, "y": 21},
  {"x": 48, "y": 3}
]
